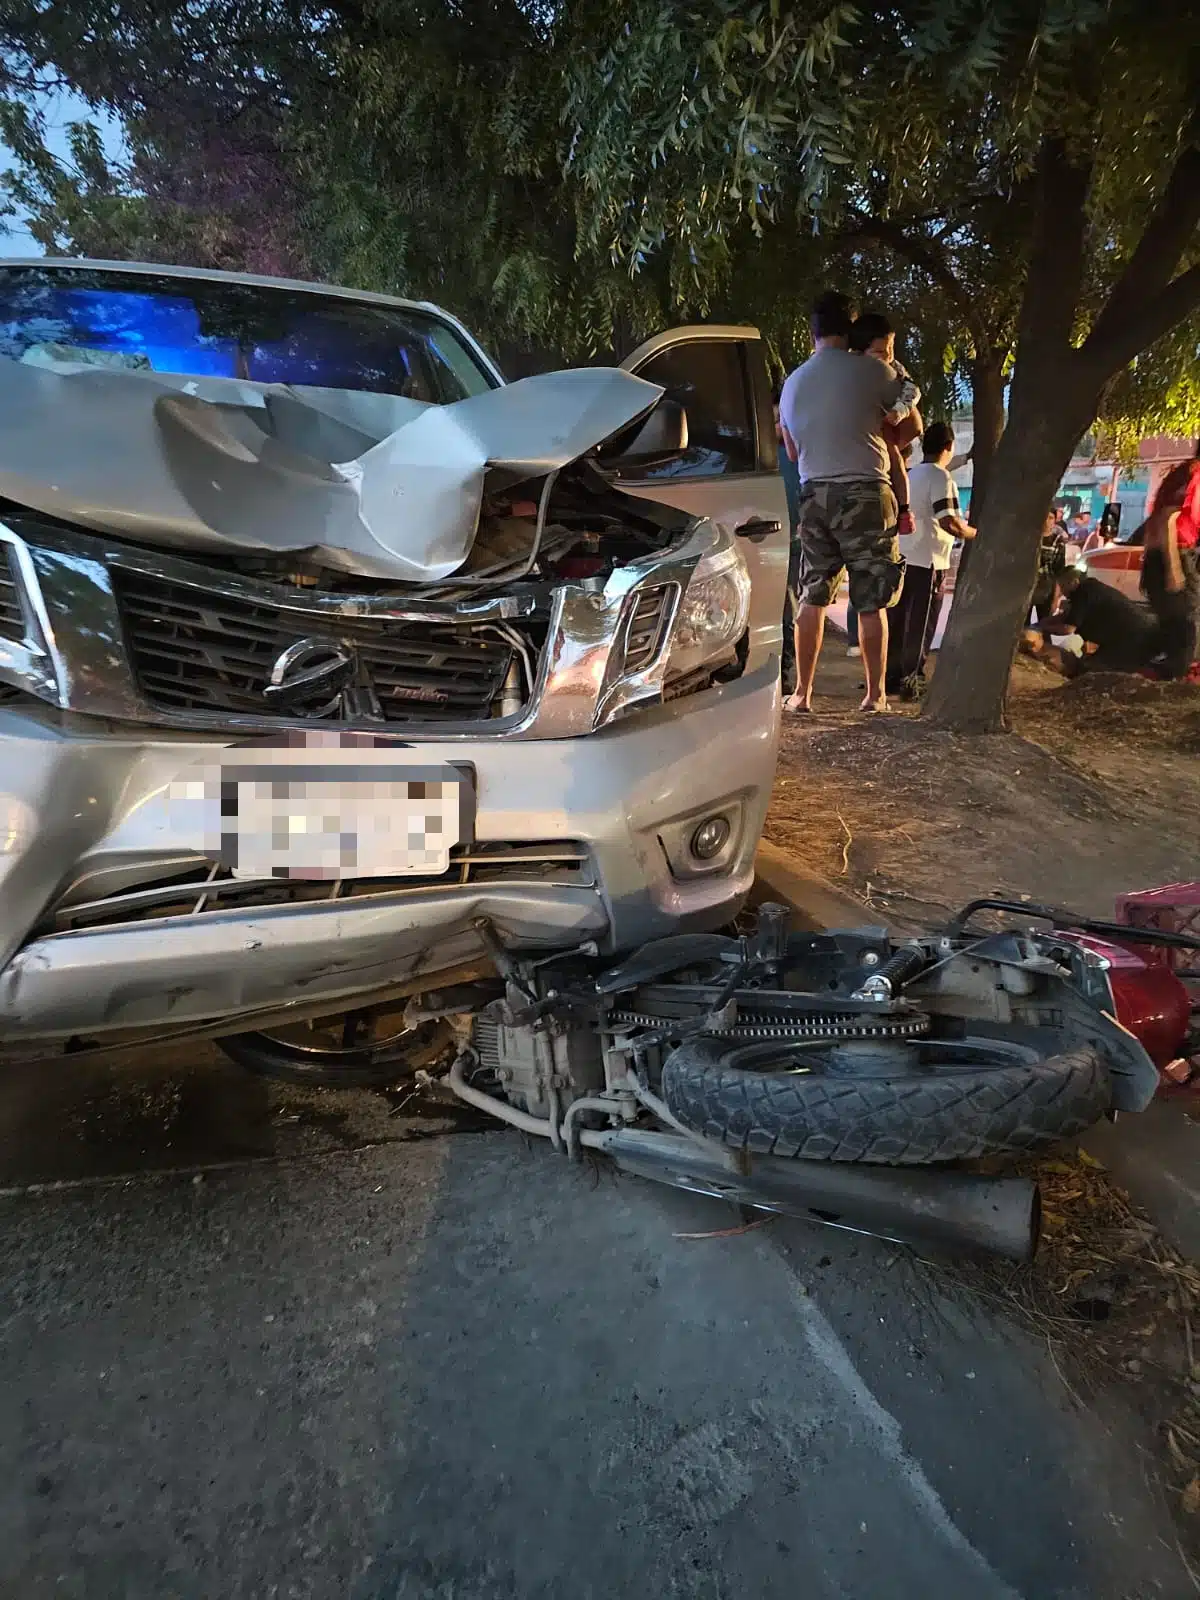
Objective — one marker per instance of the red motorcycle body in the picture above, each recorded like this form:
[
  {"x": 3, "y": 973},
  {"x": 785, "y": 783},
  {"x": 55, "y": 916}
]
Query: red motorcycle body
[{"x": 1149, "y": 998}]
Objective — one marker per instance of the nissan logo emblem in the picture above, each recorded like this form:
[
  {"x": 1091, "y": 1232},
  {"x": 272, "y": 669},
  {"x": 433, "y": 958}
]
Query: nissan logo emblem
[{"x": 310, "y": 674}]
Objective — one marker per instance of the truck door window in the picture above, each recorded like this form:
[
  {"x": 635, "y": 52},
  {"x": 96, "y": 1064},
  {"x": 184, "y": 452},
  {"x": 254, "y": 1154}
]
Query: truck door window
[{"x": 708, "y": 378}]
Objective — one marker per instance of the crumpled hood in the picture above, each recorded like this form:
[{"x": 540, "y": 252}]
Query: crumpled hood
[{"x": 366, "y": 483}]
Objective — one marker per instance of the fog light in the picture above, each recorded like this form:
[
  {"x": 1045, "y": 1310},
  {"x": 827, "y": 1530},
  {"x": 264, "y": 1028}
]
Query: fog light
[{"x": 710, "y": 838}]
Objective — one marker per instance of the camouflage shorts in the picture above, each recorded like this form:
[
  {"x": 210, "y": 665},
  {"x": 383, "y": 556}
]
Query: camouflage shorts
[{"x": 851, "y": 527}]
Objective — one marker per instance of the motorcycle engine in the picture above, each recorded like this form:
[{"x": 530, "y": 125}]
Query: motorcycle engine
[{"x": 520, "y": 1059}]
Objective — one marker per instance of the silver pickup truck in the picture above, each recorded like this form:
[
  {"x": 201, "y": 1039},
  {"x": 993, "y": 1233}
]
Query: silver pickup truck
[{"x": 319, "y": 643}]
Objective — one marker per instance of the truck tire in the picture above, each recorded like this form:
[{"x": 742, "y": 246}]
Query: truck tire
[
  {"x": 379, "y": 1066},
  {"x": 956, "y": 1111}
]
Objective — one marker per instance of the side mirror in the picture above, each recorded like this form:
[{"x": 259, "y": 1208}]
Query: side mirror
[{"x": 660, "y": 437}]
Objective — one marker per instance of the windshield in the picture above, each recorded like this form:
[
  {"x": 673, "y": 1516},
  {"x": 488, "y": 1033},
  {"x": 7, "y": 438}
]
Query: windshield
[{"x": 50, "y": 316}]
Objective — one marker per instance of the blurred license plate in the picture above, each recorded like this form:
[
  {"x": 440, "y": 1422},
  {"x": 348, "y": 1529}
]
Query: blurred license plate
[{"x": 325, "y": 812}]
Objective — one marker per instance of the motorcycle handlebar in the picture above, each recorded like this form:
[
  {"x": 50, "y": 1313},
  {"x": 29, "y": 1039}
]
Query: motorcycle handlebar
[{"x": 1058, "y": 917}]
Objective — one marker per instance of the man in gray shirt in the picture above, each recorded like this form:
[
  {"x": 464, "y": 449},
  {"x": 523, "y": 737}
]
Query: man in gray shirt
[{"x": 832, "y": 411}]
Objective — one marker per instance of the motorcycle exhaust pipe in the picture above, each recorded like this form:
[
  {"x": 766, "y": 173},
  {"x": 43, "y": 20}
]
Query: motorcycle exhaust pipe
[{"x": 955, "y": 1211}]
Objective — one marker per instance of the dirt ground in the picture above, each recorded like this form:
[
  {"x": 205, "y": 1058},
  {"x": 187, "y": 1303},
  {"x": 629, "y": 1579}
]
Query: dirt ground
[{"x": 1092, "y": 794}]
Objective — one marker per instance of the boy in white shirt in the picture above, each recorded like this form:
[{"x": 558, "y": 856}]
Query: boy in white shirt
[{"x": 937, "y": 523}]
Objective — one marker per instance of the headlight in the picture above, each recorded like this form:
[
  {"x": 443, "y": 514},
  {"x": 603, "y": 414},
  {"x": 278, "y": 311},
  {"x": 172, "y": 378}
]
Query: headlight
[{"x": 713, "y": 613}]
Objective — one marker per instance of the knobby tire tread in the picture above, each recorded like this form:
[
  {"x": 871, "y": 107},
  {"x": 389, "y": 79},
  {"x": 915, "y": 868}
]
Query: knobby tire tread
[{"x": 906, "y": 1120}]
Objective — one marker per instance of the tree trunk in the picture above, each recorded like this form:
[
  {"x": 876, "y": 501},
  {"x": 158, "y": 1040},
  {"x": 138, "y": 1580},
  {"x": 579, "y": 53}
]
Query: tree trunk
[
  {"x": 1054, "y": 396},
  {"x": 987, "y": 391},
  {"x": 987, "y": 406},
  {"x": 991, "y": 599}
]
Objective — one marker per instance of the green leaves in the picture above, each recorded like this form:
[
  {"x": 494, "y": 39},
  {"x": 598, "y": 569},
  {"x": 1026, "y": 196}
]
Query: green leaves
[
  {"x": 1158, "y": 394},
  {"x": 569, "y": 177}
]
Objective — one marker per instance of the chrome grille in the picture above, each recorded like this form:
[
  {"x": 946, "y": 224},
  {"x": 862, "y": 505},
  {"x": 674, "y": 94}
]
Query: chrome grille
[
  {"x": 194, "y": 650},
  {"x": 202, "y": 888},
  {"x": 650, "y": 614},
  {"x": 12, "y": 615}
]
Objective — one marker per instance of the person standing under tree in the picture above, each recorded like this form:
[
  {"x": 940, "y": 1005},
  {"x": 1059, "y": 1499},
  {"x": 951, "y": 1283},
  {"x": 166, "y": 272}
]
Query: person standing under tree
[
  {"x": 852, "y": 646},
  {"x": 938, "y": 522},
  {"x": 1052, "y": 563},
  {"x": 791, "y": 488},
  {"x": 833, "y": 408},
  {"x": 1170, "y": 573}
]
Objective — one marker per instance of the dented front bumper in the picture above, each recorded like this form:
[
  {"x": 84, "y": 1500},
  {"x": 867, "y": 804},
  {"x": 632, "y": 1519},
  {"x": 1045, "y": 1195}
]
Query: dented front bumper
[{"x": 574, "y": 839}]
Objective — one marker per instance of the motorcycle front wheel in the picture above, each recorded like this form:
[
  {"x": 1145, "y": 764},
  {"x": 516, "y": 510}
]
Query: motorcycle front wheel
[
  {"x": 352, "y": 1050},
  {"x": 911, "y": 1103}
]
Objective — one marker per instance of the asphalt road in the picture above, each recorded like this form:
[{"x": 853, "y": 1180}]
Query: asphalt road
[{"x": 349, "y": 1362}]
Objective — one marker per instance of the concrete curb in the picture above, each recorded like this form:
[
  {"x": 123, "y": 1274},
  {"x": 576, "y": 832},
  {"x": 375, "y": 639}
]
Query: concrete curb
[{"x": 816, "y": 904}]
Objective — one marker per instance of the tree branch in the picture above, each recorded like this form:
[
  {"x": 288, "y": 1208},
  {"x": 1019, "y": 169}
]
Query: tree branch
[
  {"x": 1052, "y": 287},
  {"x": 1167, "y": 235},
  {"x": 1139, "y": 329},
  {"x": 922, "y": 253}
]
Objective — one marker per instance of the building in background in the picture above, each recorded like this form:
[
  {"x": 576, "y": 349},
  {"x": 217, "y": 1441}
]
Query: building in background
[{"x": 1089, "y": 483}]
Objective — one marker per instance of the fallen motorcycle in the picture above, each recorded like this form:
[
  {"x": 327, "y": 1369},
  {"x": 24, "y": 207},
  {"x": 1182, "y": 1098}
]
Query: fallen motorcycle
[{"x": 838, "y": 1076}]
